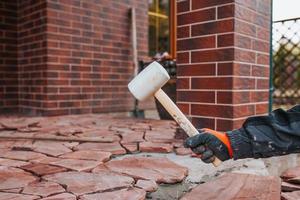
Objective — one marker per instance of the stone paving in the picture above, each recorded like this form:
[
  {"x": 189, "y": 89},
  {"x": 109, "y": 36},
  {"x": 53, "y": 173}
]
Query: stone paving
[
  {"x": 35, "y": 169},
  {"x": 135, "y": 160}
]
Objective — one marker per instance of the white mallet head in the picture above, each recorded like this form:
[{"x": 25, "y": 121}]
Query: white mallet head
[{"x": 149, "y": 81}]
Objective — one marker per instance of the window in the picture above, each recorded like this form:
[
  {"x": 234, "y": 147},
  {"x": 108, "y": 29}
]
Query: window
[{"x": 162, "y": 26}]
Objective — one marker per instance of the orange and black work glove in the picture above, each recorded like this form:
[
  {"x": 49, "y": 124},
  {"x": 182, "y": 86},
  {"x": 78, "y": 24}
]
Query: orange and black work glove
[{"x": 210, "y": 143}]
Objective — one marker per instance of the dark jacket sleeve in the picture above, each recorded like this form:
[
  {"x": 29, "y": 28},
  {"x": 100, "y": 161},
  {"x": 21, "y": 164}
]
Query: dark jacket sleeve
[{"x": 266, "y": 136}]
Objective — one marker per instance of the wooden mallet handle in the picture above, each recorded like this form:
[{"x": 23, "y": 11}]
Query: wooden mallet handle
[{"x": 179, "y": 117}]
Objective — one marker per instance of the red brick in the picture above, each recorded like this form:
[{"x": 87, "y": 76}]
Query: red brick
[
  {"x": 238, "y": 123},
  {"x": 213, "y": 55},
  {"x": 183, "y": 32},
  {"x": 243, "y": 83},
  {"x": 262, "y": 84},
  {"x": 243, "y": 111},
  {"x": 224, "y": 125},
  {"x": 196, "y": 96},
  {"x": 212, "y": 83},
  {"x": 183, "y": 83},
  {"x": 196, "y": 4},
  {"x": 197, "y": 16},
  {"x": 244, "y": 56},
  {"x": 263, "y": 59},
  {"x": 244, "y": 13},
  {"x": 212, "y": 110},
  {"x": 260, "y": 96},
  {"x": 261, "y": 109},
  {"x": 245, "y": 28},
  {"x": 226, "y": 40},
  {"x": 196, "y": 43},
  {"x": 226, "y": 11},
  {"x": 199, "y": 122},
  {"x": 196, "y": 70},
  {"x": 183, "y": 57},
  {"x": 236, "y": 69},
  {"x": 242, "y": 41},
  {"x": 183, "y": 6},
  {"x": 213, "y": 27},
  {"x": 185, "y": 108},
  {"x": 259, "y": 45},
  {"x": 259, "y": 71},
  {"x": 233, "y": 97},
  {"x": 263, "y": 33}
]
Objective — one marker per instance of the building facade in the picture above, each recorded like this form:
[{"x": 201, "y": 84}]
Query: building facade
[
  {"x": 74, "y": 56},
  {"x": 68, "y": 56}
]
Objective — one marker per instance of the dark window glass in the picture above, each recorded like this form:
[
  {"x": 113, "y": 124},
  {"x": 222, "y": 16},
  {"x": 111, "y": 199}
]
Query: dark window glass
[{"x": 159, "y": 26}]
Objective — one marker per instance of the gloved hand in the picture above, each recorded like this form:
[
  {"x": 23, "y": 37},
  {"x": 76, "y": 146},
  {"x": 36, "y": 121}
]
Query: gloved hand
[{"x": 210, "y": 143}]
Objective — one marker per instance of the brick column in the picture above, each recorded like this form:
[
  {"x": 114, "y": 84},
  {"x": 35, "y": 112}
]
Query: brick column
[{"x": 223, "y": 60}]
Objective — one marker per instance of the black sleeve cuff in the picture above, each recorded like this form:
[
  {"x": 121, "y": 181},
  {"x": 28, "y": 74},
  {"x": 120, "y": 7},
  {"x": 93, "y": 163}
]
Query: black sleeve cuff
[{"x": 240, "y": 144}]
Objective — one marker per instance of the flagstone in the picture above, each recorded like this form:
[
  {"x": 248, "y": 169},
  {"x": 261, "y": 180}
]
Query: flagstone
[
  {"x": 161, "y": 170},
  {"x": 88, "y": 155},
  {"x": 80, "y": 183},
  {"x": 11, "y": 178}
]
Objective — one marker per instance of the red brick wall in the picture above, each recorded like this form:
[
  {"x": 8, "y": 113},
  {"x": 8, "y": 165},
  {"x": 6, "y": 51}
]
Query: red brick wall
[
  {"x": 74, "y": 56},
  {"x": 89, "y": 60},
  {"x": 8, "y": 56},
  {"x": 32, "y": 54},
  {"x": 223, "y": 60}
]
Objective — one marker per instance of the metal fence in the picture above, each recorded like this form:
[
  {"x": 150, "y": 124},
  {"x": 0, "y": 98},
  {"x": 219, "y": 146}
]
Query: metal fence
[{"x": 286, "y": 62}]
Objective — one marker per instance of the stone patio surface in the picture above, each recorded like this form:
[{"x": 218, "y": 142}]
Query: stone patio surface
[
  {"x": 35, "y": 169},
  {"x": 136, "y": 159}
]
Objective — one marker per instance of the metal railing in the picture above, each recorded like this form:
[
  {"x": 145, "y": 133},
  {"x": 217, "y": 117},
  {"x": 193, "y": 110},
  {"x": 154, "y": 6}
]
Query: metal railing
[{"x": 286, "y": 62}]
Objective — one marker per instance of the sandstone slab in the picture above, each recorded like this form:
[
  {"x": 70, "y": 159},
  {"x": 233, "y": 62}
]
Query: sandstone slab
[
  {"x": 43, "y": 169},
  {"x": 21, "y": 155},
  {"x": 161, "y": 170},
  {"x": 289, "y": 187},
  {"x": 151, "y": 147},
  {"x": 238, "y": 187},
  {"x": 290, "y": 195},
  {"x": 147, "y": 185},
  {"x": 77, "y": 165},
  {"x": 80, "y": 183},
  {"x": 100, "y": 168},
  {"x": 6, "y": 144},
  {"x": 160, "y": 136},
  {"x": 12, "y": 163},
  {"x": 106, "y": 135},
  {"x": 45, "y": 160},
  {"x": 124, "y": 194},
  {"x": 132, "y": 136},
  {"x": 130, "y": 147},
  {"x": 70, "y": 145},
  {"x": 11, "y": 178},
  {"x": 13, "y": 123},
  {"x": 62, "y": 196},
  {"x": 43, "y": 189},
  {"x": 114, "y": 148},
  {"x": 12, "y": 196},
  {"x": 51, "y": 148},
  {"x": 291, "y": 173},
  {"x": 88, "y": 155}
]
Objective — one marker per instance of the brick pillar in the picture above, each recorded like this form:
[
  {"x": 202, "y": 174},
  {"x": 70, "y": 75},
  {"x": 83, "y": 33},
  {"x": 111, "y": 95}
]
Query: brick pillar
[{"x": 223, "y": 60}]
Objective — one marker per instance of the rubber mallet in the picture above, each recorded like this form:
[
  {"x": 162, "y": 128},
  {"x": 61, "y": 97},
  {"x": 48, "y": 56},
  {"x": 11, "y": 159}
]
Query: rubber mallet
[{"x": 148, "y": 83}]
